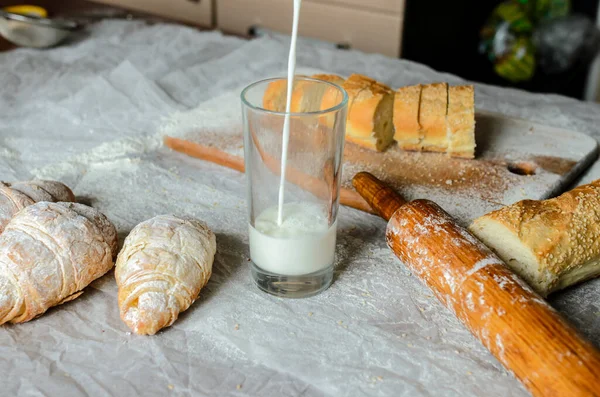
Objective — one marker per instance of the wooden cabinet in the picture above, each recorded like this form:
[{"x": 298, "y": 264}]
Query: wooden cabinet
[
  {"x": 374, "y": 26},
  {"x": 371, "y": 26},
  {"x": 196, "y": 12},
  {"x": 394, "y": 6}
]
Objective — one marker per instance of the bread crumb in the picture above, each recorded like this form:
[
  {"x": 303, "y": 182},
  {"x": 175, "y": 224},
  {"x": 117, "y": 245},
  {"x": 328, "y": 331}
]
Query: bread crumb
[
  {"x": 239, "y": 387},
  {"x": 340, "y": 322},
  {"x": 469, "y": 373},
  {"x": 380, "y": 378},
  {"x": 310, "y": 314},
  {"x": 237, "y": 326},
  {"x": 403, "y": 335},
  {"x": 170, "y": 387}
]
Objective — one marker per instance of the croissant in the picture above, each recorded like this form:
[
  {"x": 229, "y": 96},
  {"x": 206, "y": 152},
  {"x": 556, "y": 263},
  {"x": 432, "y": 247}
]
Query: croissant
[
  {"x": 49, "y": 252},
  {"x": 164, "y": 263},
  {"x": 14, "y": 197}
]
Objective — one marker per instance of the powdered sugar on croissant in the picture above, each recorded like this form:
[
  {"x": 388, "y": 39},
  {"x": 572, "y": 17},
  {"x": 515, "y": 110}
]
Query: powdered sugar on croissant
[
  {"x": 11, "y": 202},
  {"x": 14, "y": 197},
  {"x": 48, "y": 254},
  {"x": 164, "y": 263}
]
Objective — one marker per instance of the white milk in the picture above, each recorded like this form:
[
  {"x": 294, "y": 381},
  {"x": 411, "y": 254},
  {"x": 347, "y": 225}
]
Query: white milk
[
  {"x": 286, "y": 121},
  {"x": 304, "y": 242}
]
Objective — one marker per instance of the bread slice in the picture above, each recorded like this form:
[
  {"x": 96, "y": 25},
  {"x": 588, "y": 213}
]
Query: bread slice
[
  {"x": 369, "y": 122},
  {"x": 331, "y": 78},
  {"x": 274, "y": 98},
  {"x": 551, "y": 244},
  {"x": 275, "y": 95},
  {"x": 331, "y": 97},
  {"x": 432, "y": 117},
  {"x": 408, "y": 132},
  {"x": 461, "y": 121},
  {"x": 307, "y": 96},
  {"x": 436, "y": 117}
]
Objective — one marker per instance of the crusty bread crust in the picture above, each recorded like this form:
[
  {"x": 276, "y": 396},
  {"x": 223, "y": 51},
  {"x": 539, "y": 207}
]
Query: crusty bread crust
[
  {"x": 551, "y": 243},
  {"x": 331, "y": 78}
]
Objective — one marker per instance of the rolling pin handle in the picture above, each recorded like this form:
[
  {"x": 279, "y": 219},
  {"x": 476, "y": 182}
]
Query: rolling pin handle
[{"x": 382, "y": 198}]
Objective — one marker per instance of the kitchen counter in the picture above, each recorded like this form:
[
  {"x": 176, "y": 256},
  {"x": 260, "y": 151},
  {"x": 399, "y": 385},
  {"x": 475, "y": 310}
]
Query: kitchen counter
[{"x": 92, "y": 115}]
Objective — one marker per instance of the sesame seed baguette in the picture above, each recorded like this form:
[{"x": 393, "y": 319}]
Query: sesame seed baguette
[{"x": 552, "y": 244}]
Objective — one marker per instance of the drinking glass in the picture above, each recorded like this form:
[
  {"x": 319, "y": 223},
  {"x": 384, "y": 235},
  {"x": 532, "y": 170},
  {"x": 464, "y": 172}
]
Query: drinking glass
[{"x": 292, "y": 246}]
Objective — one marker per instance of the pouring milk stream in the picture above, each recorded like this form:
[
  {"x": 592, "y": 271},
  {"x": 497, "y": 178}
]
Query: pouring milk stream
[
  {"x": 292, "y": 238},
  {"x": 288, "y": 103}
]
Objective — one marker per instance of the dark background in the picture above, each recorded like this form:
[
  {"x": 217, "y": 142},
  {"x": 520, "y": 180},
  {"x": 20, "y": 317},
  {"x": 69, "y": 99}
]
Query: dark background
[{"x": 445, "y": 35}]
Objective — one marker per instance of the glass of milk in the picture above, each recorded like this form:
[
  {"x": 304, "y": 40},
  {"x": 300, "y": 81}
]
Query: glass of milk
[{"x": 293, "y": 168}]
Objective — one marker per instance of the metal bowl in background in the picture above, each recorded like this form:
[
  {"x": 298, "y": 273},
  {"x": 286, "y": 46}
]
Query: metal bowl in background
[{"x": 33, "y": 29}]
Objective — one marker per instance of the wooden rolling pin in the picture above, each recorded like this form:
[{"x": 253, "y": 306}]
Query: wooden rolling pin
[
  {"x": 518, "y": 327},
  {"x": 318, "y": 187}
]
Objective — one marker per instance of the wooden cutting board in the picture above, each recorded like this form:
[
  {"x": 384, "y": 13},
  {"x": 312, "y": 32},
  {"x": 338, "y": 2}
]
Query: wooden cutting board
[{"x": 516, "y": 159}]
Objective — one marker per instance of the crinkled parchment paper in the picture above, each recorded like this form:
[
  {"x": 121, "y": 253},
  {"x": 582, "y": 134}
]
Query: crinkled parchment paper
[{"x": 91, "y": 113}]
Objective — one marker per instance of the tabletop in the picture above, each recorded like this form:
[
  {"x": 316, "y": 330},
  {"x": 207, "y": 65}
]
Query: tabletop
[{"x": 92, "y": 114}]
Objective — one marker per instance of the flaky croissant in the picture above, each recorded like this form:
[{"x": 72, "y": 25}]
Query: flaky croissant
[
  {"x": 164, "y": 263},
  {"x": 49, "y": 252},
  {"x": 16, "y": 196}
]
